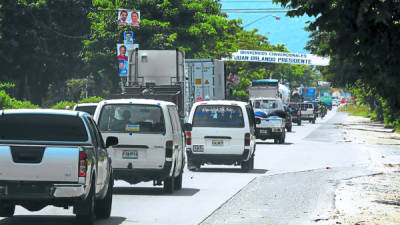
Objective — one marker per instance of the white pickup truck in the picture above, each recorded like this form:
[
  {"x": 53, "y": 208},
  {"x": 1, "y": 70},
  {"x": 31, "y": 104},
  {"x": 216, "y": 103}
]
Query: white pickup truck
[
  {"x": 54, "y": 157},
  {"x": 270, "y": 119}
]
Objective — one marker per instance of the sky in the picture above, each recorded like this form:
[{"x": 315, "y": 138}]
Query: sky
[{"x": 287, "y": 30}]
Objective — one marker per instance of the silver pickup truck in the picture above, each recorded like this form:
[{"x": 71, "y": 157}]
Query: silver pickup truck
[{"x": 54, "y": 157}]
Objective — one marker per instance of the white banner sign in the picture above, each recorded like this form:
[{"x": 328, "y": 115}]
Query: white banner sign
[{"x": 279, "y": 57}]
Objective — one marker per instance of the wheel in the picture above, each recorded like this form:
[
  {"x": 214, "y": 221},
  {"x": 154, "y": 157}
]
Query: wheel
[
  {"x": 282, "y": 138},
  {"x": 169, "y": 185},
  {"x": 178, "y": 181},
  {"x": 289, "y": 129},
  {"x": 103, "y": 206},
  {"x": 193, "y": 165},
  {"x": 313, "y": 121},
  {"x": 7, "y": 209},
  {"x": 299, "y": 123},
  {"x": 276, "y": 141},
  {"x": 248, "y": 165},
  {"x": 87, "y": 216}
]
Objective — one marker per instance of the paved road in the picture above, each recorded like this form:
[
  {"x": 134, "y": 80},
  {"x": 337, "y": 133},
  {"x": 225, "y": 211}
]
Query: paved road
[{"x": 309, "y": 147}]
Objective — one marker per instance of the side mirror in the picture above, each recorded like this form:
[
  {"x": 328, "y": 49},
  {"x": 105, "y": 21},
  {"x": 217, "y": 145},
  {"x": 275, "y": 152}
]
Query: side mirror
[
  {"x": 257, "y": 120},
  {"x": 187, "y": 127},
  {"x": 111, "y": 141}
]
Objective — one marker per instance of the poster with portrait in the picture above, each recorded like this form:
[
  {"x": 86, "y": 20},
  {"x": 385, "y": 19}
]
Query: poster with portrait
[
  {"x": 128, "y": 37},
  {"x": 128, "y": 17},
  {"x": 122, "y": 57},
  {"x": 123, "y": 67}
]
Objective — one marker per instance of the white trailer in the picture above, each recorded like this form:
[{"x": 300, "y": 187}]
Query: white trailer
[{"x": 205, "y": 80}]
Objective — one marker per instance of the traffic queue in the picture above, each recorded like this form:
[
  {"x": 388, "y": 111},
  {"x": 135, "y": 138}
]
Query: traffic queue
[{"x": 146, "y": 140}]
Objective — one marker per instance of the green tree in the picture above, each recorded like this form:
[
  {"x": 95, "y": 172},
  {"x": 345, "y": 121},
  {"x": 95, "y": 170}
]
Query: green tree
[{"x": 40, "y": 43}]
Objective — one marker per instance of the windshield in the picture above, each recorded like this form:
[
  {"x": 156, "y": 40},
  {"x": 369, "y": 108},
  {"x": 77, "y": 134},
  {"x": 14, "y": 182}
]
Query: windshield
[
  {"x": 42, "y": 127},
  {"x": 265, "y": 104},
  {"x": 131, "y": 118},
  {"x": 88, "y": 109},
  {"x": 218, "y": 116}
]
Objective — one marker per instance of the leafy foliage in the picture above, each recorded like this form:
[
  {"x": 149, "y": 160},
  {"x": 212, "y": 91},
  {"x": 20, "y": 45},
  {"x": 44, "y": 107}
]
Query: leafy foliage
[{"x": 362, "y": 39}]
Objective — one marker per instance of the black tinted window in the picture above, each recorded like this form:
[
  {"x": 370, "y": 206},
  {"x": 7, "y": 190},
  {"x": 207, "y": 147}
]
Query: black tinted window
[
  {"x": 218, "y": 116},
  {"x": 135, "y": 118},
  {"x": 42, "y": 127}
]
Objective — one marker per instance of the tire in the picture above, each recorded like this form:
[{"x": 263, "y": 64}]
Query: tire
[
  {"x": 7, "y": 209},
  {"x": 178, "y": 181},
  {"x": 248, "y": 165},
  {"x": 299, "y": 123},
  {"x": 169, "y": 185},
  {"x": 193, "y": 165},
  {"x": 282, "y": 138},
  {"x": 89, "y": 216},
  {"x": 289, "y": 129},
  {"x": 313, "y": 121},
  {"x": 276, "y": 141},
  {"x": 103, "y": 206}
]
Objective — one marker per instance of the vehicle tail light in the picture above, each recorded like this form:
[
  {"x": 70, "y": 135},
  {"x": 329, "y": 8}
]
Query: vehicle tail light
[
  {"x": 298, "y": 112},
  {"x": 188, "y": 138},
  {"x": 169, "y": 149},
  {"x": 247, "y": 139},
  {"x": 83, "y": 161}
]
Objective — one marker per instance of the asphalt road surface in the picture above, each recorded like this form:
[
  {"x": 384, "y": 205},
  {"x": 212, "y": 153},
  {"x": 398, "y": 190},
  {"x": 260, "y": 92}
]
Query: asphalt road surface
[{"x": 292, "y": 183}]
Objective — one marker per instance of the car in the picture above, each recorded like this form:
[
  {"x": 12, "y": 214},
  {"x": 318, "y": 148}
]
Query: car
[
  {"x": 86, "y": 107},
  {"x": 294, "y": 111},
  {"x": 220, "y": 132},
  {"x": 151, "y": 140},
  {"x": 54, "y": 157},
  {"x": 307, "y": 112}
]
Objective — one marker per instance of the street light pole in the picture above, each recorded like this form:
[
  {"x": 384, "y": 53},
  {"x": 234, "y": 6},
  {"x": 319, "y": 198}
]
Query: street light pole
[{"x": 276, "y": 17}]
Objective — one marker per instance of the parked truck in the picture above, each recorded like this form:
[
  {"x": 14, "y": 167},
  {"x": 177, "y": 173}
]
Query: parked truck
[{"x": 156, "y": 74}]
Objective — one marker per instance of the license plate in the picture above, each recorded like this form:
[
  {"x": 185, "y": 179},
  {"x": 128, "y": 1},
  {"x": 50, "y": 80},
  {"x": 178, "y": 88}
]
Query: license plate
[
  {"x": 263, "y": 131},
  {"x": 130, "y": 154},
  {"x": 198, "y": 148},
  {"x": 217, "y": 143}
]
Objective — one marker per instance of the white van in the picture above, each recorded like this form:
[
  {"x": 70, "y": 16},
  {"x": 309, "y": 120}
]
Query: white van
[
  {"x": 151, "y": 140},
  {"x": 221, "y": 132}
]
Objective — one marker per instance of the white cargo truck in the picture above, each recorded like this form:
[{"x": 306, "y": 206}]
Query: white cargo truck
[{"x": 205, "y": 80}]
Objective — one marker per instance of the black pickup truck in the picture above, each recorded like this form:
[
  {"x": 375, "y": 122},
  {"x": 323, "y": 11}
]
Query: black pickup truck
[{"x": 54, "y": 157}]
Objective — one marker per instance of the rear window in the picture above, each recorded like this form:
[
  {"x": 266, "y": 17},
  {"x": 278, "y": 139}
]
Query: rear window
[
  {"x": 88, "y": 109},
  {"x": 42, "y": 127},
  {"x": 265, "y": 104},
  {"x": 218, "y": 116},
  {"x": 131, "y": 118},
  {"x": 306, "y": 106}
]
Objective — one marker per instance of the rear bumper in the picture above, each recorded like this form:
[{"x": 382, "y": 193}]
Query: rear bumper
[
  {"x": 225, "y": 159},
  {"x": 134, "y": 176},
  {"x": 267, "y": 133},
  {"x": 40, "y": 191},
  {"x": 308, "y": 117}
]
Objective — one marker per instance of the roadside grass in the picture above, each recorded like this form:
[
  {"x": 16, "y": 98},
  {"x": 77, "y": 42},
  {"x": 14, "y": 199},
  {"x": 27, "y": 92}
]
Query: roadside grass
[{"x": 356, "y": 110}]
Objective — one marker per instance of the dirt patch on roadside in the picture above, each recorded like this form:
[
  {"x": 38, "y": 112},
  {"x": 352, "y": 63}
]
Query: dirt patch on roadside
[
  {"x": 362, "y": 130},
  {"x": 369, "y": 200}
]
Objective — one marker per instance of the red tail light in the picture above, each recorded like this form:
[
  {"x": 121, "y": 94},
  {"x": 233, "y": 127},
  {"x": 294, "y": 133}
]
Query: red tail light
[
  {"x": 169, "y": 149},
  {"x": 188, "y": 138},
  {"x": 247, "y": 139},
  {"x": 82, "y": 163},
  {"x": 298, "y": 112}
]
